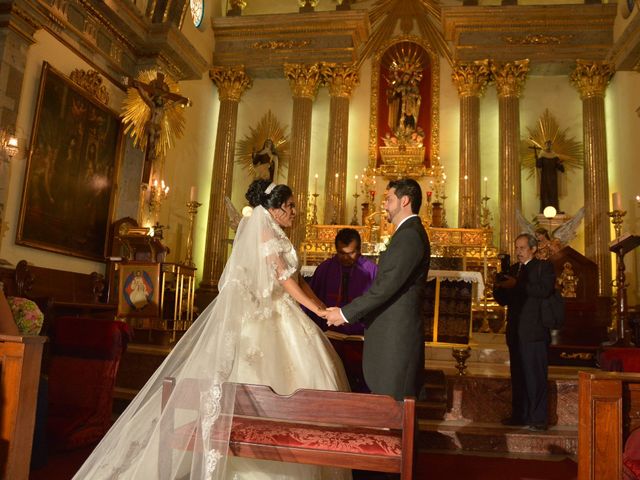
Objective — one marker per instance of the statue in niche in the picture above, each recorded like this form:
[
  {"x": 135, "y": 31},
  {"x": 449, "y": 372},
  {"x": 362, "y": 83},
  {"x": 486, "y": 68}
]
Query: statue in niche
[{"x": 404, "y": 98}]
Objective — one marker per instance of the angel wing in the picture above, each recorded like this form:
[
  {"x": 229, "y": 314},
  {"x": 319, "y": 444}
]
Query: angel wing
[
  {"x": 525, "y": 225},
  {"x": 567, "y": 231},
  {"x": 234, "y": 215}
]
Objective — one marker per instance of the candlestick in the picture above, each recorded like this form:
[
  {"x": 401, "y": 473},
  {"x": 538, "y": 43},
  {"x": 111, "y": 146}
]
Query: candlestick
[{"x": 192, "y": 211}]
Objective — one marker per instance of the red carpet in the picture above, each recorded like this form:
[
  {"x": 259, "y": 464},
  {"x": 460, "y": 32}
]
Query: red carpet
[{"x": 431, "y": 466}]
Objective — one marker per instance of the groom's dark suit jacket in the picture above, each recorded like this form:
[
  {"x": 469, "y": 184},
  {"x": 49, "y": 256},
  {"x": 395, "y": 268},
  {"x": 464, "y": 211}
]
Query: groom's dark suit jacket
[{"x": 393, "y": 356}]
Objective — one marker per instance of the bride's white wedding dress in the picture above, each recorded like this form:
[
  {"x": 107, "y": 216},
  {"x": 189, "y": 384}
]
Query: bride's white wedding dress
[{"x": 253, "y": 332}]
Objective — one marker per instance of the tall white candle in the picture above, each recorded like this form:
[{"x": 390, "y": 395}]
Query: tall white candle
[
  {"x": 485, "y": 186},
  {"x": 617, "y": 201},
  {"x": 193, "y": 194},
  {"x": 315, "y": 184},
  {"x": 356, "y": 184}
]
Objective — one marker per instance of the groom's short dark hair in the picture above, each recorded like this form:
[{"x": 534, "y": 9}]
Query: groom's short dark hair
[{"x": 408, "y": 187}]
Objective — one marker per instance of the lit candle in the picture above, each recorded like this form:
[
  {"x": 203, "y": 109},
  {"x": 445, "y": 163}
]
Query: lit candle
[
  {"x": 13, "y": 142},
  {"x": 485, "y": 186},
  {"x": 315, "y": 184},
  {"x": 193, "y": 194},
  {"x": 617, "y": 201},
  {"x": 356, "y": 184}
]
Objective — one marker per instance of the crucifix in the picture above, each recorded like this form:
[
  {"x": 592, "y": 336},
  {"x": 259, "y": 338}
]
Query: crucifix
[{"x": 159, "y": 98}]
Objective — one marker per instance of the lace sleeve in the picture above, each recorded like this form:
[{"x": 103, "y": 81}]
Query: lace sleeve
[{"x": 279, "y": 253}]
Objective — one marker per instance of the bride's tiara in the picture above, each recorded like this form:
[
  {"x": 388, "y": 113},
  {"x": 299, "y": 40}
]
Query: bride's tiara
[{"x": 270, "y": 188}]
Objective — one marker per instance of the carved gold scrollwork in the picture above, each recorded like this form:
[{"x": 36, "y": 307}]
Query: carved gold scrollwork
[
  {"x": 304, "y": 80},
  {"x": 341, "y": 79},
  {"x": 92, "y": 82},
  {"x": 510, "y": 77},
  {"x": 537, "y": 39},
  {"x": 471, "y": 78},
  {"x": 280, "y": 44},
  {"x": 591, "y": 78},
  {"x": 577, "y": 356},
  {"x": 231, "y": 82}
]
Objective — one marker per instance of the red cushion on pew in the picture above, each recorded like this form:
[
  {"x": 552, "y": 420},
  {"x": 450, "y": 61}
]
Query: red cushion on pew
[{"x": 266, "y": 432}]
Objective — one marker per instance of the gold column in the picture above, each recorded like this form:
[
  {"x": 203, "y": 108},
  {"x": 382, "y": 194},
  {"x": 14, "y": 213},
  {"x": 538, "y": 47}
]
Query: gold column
[
  {"x": 304, "y": 81},
  {"x": 471, "y": 80},
  {"x": 591, "y": 80},
  {"x": 509, "y": 78},
  {"x": 341, "y": 80},
  {"x": 231, "y": 83}
]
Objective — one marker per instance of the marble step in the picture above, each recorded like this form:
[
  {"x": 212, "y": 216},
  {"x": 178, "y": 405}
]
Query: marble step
[{"x": 494, "y": 437}]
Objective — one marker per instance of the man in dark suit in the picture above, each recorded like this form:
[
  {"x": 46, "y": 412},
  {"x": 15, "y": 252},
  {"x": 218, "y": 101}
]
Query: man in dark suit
[
  {"x": 522, "y": 290},
  {"x": 393, "y": 357}
]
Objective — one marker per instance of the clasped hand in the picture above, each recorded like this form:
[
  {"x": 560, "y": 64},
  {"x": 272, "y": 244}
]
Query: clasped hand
[{"x": 332, "y": 315}]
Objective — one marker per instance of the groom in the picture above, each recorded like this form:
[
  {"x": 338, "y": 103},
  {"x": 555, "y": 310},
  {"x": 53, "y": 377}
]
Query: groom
[{"x": 393, "y": 358}]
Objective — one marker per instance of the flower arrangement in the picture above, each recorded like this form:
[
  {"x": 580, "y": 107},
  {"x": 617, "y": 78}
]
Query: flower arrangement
[{"x": 385, "y": 240}]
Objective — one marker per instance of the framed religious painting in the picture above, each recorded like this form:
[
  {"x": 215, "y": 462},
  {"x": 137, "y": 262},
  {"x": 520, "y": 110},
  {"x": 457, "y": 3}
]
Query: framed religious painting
[
  {"x": 403, "y": 131},
  {"x": 73, "y": 160},
  {"x": 139, "y": 289}
]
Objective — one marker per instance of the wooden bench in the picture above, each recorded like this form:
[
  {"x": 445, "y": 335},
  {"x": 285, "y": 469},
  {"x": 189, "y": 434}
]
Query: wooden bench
[
  {"x": 20, "y": 358},
  {"x": 367, "y": 431},
  {"x": 609, "y": 411}
]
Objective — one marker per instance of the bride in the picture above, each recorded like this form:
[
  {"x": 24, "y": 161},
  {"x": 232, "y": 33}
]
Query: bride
[{"x": 253, "y": 332}]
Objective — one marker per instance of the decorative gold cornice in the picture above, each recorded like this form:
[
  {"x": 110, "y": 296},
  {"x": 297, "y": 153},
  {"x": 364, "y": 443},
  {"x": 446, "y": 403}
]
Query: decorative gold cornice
[
  {"x": 92, "y": 82},
  {"x": 341, "y": 79},
  {"x": 510, "y": 77},
  {"x": 591, "y": 78},
  {"x": 231, "y": 82},
  {"x": 304, "y": 80},
  {"x": 471, "y": 78},
  {"x": 537, "y": 39}
]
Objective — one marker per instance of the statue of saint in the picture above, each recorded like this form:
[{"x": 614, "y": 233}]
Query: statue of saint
[
  {"x": 265, "y": 161},
  {"x": 404, "y": 100},
  {"x": 549, "y": 164}
]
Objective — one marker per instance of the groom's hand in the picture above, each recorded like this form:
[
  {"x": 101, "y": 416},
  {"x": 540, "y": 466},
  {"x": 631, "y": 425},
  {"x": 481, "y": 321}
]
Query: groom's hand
[{"x": 334, "y": 317}]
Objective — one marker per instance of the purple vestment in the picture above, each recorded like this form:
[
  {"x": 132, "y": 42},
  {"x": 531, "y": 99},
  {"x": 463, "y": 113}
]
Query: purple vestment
[{"x": 327, "y": 282}]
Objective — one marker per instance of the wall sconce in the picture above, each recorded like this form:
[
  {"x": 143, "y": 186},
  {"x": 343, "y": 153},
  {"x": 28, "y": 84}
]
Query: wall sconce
[{"x": 8, "y": 143}]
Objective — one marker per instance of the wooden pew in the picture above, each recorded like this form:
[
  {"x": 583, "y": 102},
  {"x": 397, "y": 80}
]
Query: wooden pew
[
  {"x": 366, "y": 419},
  {"x": 608, "y": 410},
  {"x": 20, "y": 359}
]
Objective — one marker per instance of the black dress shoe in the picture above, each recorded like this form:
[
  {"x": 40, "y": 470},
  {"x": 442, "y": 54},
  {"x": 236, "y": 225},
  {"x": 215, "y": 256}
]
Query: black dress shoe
[
  {"x": 513, "y": 422},
  {"x": 538, "y": 427}
]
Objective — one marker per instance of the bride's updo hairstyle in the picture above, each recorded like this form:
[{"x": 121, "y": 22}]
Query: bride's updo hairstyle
[{"x": 256, "y": 195}]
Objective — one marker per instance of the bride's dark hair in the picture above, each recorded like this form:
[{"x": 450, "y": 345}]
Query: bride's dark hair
[{"x": 256, "y": 194}]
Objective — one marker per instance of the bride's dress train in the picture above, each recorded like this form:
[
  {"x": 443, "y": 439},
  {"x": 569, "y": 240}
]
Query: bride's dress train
[{"x": 253, "y": 332}]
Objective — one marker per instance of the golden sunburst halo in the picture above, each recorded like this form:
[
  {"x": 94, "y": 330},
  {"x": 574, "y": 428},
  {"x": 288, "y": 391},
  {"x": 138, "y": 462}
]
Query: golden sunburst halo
[
  {"x": 568, "y": 149},
  {"x": 267, "y": 128},
  {"x": 136, "y": 115}
]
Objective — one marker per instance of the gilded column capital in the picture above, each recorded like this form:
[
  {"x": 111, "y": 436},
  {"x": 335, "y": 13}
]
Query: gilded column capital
[
  {"x": 341, "y": 79},
  {"x": 231, "y": 82},
  {"x": 304, "y": 80},
  {"x": 591, "y": 78},
  {"x": 510, "y": 77},
  {"x": 471, "y": 78}
]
